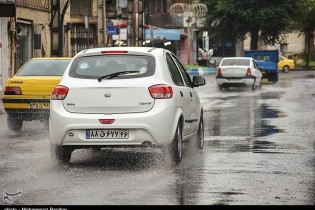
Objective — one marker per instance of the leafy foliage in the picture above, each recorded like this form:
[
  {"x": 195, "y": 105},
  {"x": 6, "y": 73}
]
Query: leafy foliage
[{"x": 265, "y": 20}]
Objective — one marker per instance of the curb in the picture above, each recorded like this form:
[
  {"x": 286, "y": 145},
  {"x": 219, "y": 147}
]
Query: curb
[
  {"x": 201, "y": 71},
  {"x": 2, "y": 111}
]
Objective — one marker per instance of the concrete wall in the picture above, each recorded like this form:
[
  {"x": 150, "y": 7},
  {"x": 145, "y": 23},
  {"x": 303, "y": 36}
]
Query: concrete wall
[
  {"x": 5, "y": 68},
  {"x": 37, "y": 17}
]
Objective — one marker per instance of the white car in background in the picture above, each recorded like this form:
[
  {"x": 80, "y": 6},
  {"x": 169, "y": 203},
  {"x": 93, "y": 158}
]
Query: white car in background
[
  {"x": 238, "y": 72},
  {"x": 125, "y": 97}
]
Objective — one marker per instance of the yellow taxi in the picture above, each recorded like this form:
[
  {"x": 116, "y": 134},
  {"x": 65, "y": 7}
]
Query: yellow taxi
[
  {"x": 27, "y": 94},
  {"x": 285, "y": 64}
]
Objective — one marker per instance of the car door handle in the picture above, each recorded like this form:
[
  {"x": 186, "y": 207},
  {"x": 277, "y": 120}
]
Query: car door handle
[{"x": 181, "y": 93}]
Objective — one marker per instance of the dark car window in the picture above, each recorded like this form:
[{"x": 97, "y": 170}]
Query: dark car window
[
  {"x": 92, "y": 67},
  {"x": 176, "y": 77},
  {"x": 183, "y": 72}
]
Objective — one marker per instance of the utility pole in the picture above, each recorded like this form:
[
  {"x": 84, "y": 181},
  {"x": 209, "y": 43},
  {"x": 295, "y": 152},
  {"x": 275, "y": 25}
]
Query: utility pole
[
  {"x": 102, "y": 37},
  {"x": 57, "y": 28},
  {"x": 140, "y": 22},
  {"x": 13, "y": 37},
  {"x": 130, "y": 27}
]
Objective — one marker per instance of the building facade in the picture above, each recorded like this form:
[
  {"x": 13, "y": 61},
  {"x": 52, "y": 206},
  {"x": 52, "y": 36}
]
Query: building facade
[{"x": 48, "y": 28}]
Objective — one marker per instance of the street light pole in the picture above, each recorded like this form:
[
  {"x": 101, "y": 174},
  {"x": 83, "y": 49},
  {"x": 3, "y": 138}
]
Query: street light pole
[{"x": 189, "y": 11}]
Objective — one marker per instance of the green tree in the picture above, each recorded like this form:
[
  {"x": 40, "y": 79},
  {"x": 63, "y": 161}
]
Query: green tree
[
  {"x": 265, "y": 20},
  {"x": 306, "y": 24}
]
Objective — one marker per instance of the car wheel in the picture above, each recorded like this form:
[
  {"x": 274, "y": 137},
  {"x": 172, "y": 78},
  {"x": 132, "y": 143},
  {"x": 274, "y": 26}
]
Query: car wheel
[
  {"x": 200, "y": 135},
  {"x": 254, "y": 87},
  {"x": 286, "y": 69},
  {"x": 177, "y": 144},
  {"x": 14, "y": 123},
  {"x": 61, "y": 154},
  {"x": 220, "y": 87}
]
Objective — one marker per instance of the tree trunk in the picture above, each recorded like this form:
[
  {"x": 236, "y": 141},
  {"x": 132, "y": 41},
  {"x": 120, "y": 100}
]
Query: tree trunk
[
  {"x": 308, "y": 41},
  {"x": 254, "y": 40}
]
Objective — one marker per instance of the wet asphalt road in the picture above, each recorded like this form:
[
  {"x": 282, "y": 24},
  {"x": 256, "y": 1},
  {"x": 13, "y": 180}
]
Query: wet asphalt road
[{"x": 259, "y": 150}]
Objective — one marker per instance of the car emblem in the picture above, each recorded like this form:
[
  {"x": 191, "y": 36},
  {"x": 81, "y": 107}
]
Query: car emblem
[{"x": 107, "y": 95}]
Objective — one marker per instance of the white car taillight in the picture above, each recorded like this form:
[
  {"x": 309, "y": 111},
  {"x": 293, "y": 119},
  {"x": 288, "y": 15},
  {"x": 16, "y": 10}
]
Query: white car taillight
[
  {"x": 161, "y": 91},
  {"x": 248, "y": 73},
  {"x": 59, "y": 93},
  {"x": 219, "y": 72}
]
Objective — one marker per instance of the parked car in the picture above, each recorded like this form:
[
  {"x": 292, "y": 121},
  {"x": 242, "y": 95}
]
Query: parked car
[
  {"x": 27, "y": 94},
  {"x": 125, "y": 97},
  {"x": 238, "y": 72},
  {"x": 285, "y": 64}
]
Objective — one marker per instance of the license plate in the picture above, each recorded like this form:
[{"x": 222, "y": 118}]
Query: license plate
[
  {"x": 107, "y": 134},
  {"x": 40, "y": 105}
]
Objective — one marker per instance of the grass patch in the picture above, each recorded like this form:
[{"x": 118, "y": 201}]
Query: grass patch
[
  {"x": 311, "y": 65},
  {"x": 194, "y": 66}
]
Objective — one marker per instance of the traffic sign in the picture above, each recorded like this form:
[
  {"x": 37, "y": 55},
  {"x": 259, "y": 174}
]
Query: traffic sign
[{"x": 112, "y": 31}]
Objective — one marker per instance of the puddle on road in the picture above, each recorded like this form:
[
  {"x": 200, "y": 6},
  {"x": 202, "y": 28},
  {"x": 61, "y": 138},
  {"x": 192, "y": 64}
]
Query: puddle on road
[{"x": 236, "y": 128}]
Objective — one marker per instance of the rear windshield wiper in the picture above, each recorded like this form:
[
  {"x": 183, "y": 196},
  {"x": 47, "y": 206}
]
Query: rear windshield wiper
[{"x": 113, "y": 75}]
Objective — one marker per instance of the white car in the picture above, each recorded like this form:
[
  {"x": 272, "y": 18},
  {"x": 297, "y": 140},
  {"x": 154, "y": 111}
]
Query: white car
[
  {"x": 125, "y": 97},
  {"x": 238, "y": 72}
]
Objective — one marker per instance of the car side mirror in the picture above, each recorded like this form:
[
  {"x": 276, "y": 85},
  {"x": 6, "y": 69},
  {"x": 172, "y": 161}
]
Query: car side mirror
[
  {"x": 198, "y": 81},
  {"x": 261, "y": 68}
]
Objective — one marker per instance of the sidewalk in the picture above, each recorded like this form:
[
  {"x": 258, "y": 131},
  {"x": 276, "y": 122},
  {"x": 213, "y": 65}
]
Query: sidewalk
[{"x": 1, "y": 105}]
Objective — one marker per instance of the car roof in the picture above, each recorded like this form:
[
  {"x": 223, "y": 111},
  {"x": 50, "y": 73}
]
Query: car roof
[
  {"x": 115, "y": 50},
  {"x": 51, "y": 58},
  {"x": 237, "y": 58}
]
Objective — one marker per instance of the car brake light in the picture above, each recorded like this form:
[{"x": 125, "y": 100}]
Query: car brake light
[
  {"x": 161, "y": 91},
  {"x": 106, "y": 121},
  {"x": 59, "y": 93},
  {"x": 12, "y": 91},
  {"x": 114, "y": 51},
  {"x": 248, "y": 73},
  {"x": 219, "y": 72}
]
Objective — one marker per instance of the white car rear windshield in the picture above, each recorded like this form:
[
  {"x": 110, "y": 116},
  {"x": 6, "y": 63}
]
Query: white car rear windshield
[
  {"x": 235, "y": 62},
  {"x": 96, "y": 66}
]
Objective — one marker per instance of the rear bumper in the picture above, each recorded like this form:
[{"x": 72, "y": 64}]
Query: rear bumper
[
  {"x": 155, "y": 127},
  {"x": 234, "y": 81},
  {"x": 22, "y": 108}
]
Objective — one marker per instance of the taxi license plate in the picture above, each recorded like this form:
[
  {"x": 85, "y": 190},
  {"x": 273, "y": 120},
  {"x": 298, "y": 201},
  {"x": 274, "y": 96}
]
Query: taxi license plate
[
  {"x": 107, "y": 134},
  {"x": 40, "y": 105}
]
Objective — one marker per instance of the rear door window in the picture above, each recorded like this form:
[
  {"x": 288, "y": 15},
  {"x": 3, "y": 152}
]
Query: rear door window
[
  {"x": 183, "y": 72},
  {"x": 176, "y": 77}
]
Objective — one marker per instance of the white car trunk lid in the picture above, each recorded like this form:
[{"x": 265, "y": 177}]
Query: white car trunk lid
[
  {"x": 108, "y": 100},
  {"x": 232, "y": 71}
]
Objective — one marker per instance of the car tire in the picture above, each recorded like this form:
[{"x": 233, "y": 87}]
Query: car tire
[
  {"x": 14, "y": 123},
  {"x": 200, "y": 134},
  {"x": 254, "y": 87},
  {"x": 61, "y": 154},
  {"x": 176, "y": 149},
  {"x": 286, "y": 69}
]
